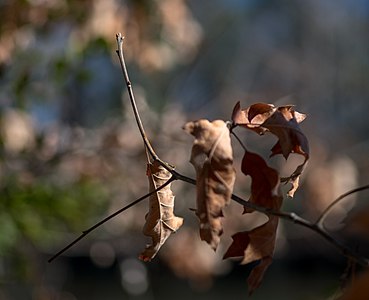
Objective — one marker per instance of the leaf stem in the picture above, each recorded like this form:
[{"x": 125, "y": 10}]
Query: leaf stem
[{"x": 238, "y": 139}]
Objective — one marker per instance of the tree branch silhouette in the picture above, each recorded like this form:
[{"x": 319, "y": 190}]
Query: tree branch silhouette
[
  {"x": 317, "y": 226},
  {"x": 119, "y": 211},
  {"x": 321, "y": 219},
  {"x": 293, "y": 217}
]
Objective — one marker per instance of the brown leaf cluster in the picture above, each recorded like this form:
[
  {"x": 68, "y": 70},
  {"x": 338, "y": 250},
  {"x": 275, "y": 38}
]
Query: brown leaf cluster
[
  {"x": 212, "y": 157},
  {"x": 160, "y": 220},
  {"x": 283, "y": 122}
]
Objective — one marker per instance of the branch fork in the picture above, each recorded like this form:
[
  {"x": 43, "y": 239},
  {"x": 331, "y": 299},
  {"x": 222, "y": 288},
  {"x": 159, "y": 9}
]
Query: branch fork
[{"x": 317, "y": 227}]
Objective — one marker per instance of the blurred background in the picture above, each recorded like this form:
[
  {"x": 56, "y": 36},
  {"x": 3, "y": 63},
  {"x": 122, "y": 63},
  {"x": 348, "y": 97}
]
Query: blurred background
[{"x": 70, "y": 153}]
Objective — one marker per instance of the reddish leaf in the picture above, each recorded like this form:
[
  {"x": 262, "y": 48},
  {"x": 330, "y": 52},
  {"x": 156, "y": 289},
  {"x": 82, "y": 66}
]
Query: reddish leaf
[
  {"x": 241, "y": 240},
  {"x": 254, "y": 244},
  {"x": 265, "y": 187},
  {"x": 285, "y": 126},
  {"x": 257, "y": 274},
  {"x": 253, "y": 116},
  {"x": 258, "y": 243},
  {"x": 282, "y": 122},
  {"x": 212, "y": 157},
  {"x": 259, "y": 112}
]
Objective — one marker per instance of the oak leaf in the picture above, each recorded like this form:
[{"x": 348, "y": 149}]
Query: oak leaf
[
  {"x": 253, "y": 116},
  {"x": 265, "y": 184},
  {"x": 258, "y": 243},
  {"x": 212, "y": 157},
  {"x": 283, "y": 122},
  {"x": 160, "y": 220}
]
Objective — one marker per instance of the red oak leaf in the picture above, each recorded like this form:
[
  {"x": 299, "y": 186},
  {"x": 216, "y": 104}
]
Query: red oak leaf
[
  {"x": 258, "y": 243},
  {"x": 282, "y": 122}
]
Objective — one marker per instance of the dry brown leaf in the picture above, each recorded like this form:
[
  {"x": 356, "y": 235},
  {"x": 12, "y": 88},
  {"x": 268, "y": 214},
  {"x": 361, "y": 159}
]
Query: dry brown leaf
[
  {"x": 284, "y": 125},
  {"x": 258, "y": 243},
  {"x": 282, "y": 122},
  {"x": 160, "y": 220},
  {"x": 254, "y": 244},
  {"x": 212, "y": 157},
  {"x": 257, "y": 274},
  {"x": 265, "y": 185},
  {"x": 253, "y": 116}
]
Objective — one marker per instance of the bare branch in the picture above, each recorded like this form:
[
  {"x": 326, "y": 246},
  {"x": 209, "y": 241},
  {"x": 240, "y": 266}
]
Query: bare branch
[
  {"x": 141, "y": 128},
  {"x": 320, "y": 221},
  {"x": 292, "y": 217},
  {"x": 238, "y": 139},
  {"x": 147, "y": 143},
  {"x": 89, "y": 230}
]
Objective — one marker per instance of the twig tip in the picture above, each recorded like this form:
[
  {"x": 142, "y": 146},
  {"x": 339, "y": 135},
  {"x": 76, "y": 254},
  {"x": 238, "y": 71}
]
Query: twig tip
[{"x": 119, "y": 37}]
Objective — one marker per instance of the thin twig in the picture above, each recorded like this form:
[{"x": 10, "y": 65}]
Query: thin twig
[
  {"x": 325, "y": 213},
  {"x": 92, "y": 228},
  {"x": 238, "y": 139},
  {"x": 120, "y": 39},
  {"x": 316, "y": 227},
  {"x": 177, "y": 176},
  {"x": 292, "y": 217},
  {"x": 141, "y": 128}
]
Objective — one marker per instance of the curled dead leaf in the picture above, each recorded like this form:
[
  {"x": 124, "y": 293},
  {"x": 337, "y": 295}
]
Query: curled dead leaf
[
  {"x": 160, "y": 220},
  {"x": 212, "y": 157},
  {"x": 253, "y": 116},
  {"x": 283, "y": 122}
]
